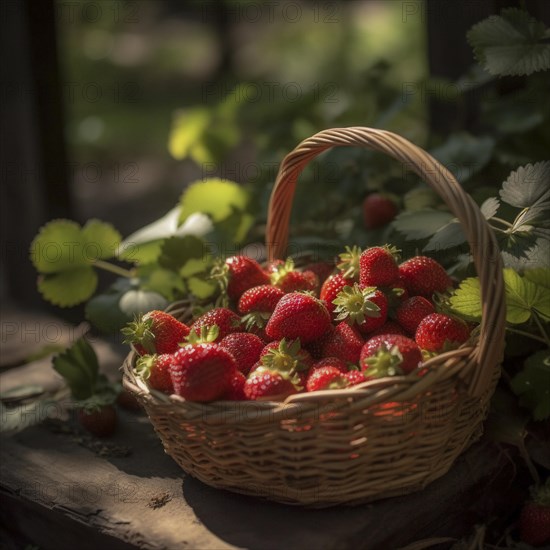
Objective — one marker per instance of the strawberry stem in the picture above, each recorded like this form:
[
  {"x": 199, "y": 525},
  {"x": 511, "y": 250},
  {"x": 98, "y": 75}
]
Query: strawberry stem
[{"x": 107, "y": 266}]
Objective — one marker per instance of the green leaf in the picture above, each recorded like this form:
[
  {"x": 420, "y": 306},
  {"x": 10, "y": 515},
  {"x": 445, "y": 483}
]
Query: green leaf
[
  {"x": 200, "y": 288},
  {"x": 528, "y": 186},
  {"x": 104, "y": 313},
  {"x": 68, "y": 288},
  {"x": 465, "y": 155},
  {"x": 164, "y": 281},
  {"x": 58, "y": 246},
  {"x": 421, "y": 223},
  {"x": 539, "y": 276},
  {"x": 187, "y": 134},
  {"x": 177, "y": 251},
  {"x": 215, "y": 197},
  {"x": 517, "y": 242},
  {"x": 421, "y": 198},
  {"x": 523, "y": 297},
  {"x": 79, "y": 367},
  {"x": 532, "y": 384},
  {"x": 510, "y": 43},
  {"x": 140, "y": 254},
  {"x": 466, "y": 299},
  {"x": 538, "y": 256},
  {"x": 448, "y": 236},
  {"x": 102, "y": 240},
  {"x": 489, "y": 207},
  {"x": 137, "y": 302}
]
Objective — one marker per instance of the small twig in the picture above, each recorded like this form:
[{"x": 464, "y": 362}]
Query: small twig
[{"x": 117, "y": 270}]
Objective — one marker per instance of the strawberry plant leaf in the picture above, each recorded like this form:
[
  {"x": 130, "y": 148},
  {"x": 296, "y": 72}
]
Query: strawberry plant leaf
[
  {"x": 59, "y": 246},
  {"x": 539, "y": 276},
  {"x": 538, "y": 256},
  {"x": 528, "y": 186},
  {"x": 518, "y": 242},
  {"x": 164, "y": 281},
  {"x": 140, "y": 253},
  {"x": 187, "y": 133},
  {"x": 532, "y": 384},
  {"x": 102, "y": 240},
  {"x": 465, "y": 155},
  {"x": 466, "y": 299},
  {"x": 200, "y": 288},
  {"x": 489, "y": 207},
  {"x": 510, "y": 44},
  {"x": 104, "y": 313},
  {"x": 448, "y": 236},
  {"x": 68, "y": 288},
  {"x": 79, "y": 367},
  {"x": 215, "y": 197},
  {"x": 136, "y": 302},
  {"x": 523, "y": 297},
  {"x": 421, "y": 224},
  {"x": 177, "y": 251}
]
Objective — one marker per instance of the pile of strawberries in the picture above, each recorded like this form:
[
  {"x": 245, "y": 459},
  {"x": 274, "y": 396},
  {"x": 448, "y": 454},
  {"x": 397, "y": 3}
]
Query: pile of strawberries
[{"x": 286, "y": 330}]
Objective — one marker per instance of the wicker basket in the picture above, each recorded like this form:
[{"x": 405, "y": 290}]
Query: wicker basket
[{"x": 382, "y": 438}]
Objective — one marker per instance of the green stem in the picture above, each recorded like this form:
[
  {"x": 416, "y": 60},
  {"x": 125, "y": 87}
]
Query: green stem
[
  {"x": 541, "y": 328},
  {"x": 114, "y": 269},
  {"x": 528, "y": 334},
  {"x": 503, "y": 222}
]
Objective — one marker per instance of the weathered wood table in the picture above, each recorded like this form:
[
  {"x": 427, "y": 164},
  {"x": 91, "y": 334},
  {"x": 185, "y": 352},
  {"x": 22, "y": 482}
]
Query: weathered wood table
[{"x": 61, "y": 488}]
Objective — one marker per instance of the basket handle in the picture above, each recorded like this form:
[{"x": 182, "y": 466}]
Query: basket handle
[{"x": 483, "y": 245}]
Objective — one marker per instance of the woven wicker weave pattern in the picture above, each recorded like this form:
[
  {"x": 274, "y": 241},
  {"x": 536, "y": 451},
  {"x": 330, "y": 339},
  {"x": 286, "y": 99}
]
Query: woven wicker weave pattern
[{"x": 379, "y": 439}]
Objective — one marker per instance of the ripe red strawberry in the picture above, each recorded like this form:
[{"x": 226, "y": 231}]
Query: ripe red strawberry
[
  {"x": 300, "y": 316},
  {"x": 424, "y": 276},
  {"x": 156, "y": 370},
  {"x": 288, "y": 279},
  {"x": 367, "y": 308},
  {"x": 355, "y": 377},
  {"x": 378, "y": 266},
  {"x": 262, "y": 298},
  {"x": 265, "y": 384},
  {"x": 331, "y": 287},
  {"x": 333, "y": 362},
  {"x": 389, "y": 327},
  {"x": 344, "y": 342},
  {"x": 155, "y": 332},
  {"x": 534, "y": 520},
  {"x": 226, "y": 320},
  {"x": 239, "y": 273},
  {"x": 100, "y": 421},
  {"x": 378, "y": 210},
  {"x": 412, "y": 311},
  {"x": 390, "y": 354},
  {"x": 326, "y": 378},
  {"x": 438, "y": 332},
  {"x": 244, "y": 347},
  {"x": 202, "y": 372},
  {"x": 236, "y": 388},
  {"x": 286, "y": 356},
  {"x": 321, "y": 269}
]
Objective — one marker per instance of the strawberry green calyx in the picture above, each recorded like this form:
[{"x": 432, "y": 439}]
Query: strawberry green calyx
[
  {"x": 139, "y": 332},
  {"x": 206, "y": 335},
  {"x": 97, "y": 401},
  {"x": 144, "y": 365},
  {"x": 394, "y": 251},
  {"x": 386, "y": 362},
  {"x": 289, "y": 375},
  {"x": 255, "y": 319},
  {"x": 282, "y": 271},
  {"x": 349, "y": 262},
  {"x": 284, "y": 358},
  {"x": 541, "y": 494},
  {"x": 220, "y": 274},
  {"x": 354, "y": 304}
]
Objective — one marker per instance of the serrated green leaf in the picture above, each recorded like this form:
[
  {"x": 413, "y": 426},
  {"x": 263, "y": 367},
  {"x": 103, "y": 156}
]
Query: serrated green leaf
[
  {"x": 448, "y": 236},
  {"x": 523, "y": 297},
  {"x": 527, "y": 186},
  {"x": 539, "y": 276},
  {"x": 517, "y": 243},
  {"x": 466, "y": 299},
  {"x": 532, "y": 384},
  {"x": 510, "y": 43},
  {"x": 68, "y": 288},
  {"x": 489, "y": 207},
  {"x": 104, "y": 313},
  {"x": 164, "y": 281},
  {"x": 177, "y": 251},
  {"x": 200, "y": 288},
  {"x": 230, "y": 231},
  {"x": 215, "y": 197},
  {"x": 141, "y": 254},
  {"x": 102, "y": 240},
  {"x": 194, "y": 267},
  {"x": 421, "y": 223},
  {"x": 421, "y": 198},
  {"x": 465, "y": 155},
  {"x": 137, "y": 302},
  {"x": 79, "y": 367},
  {"x": 58, "y": 246},
  {"x": 537, "y": 256}
]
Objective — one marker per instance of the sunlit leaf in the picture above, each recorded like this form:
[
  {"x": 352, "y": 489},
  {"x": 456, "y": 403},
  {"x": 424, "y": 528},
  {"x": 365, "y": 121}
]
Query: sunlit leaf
[
  {"x": 102, "y": 240},
  {"x": 528, "y": 186},
  {"x": 68, "y": 288},
  {"x": 421, "y": 223}
]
